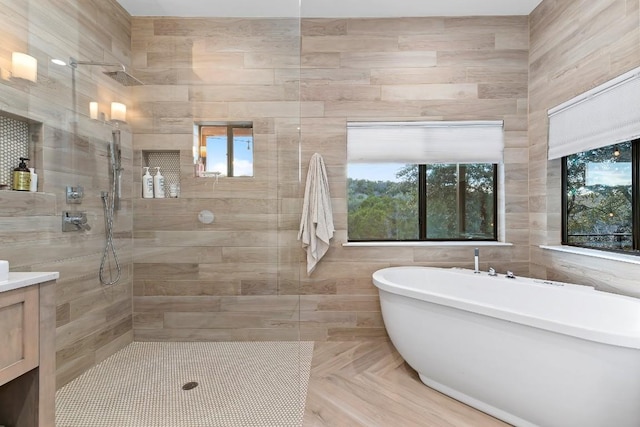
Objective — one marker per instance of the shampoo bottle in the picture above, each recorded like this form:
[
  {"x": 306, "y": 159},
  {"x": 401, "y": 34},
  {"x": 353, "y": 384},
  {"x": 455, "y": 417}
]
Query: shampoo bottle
[
  {"x": 22, "y": 176},
  {"x": 33, "y": 187},
  {"x": 158, "y": 184},
  {"x": 147, "y": 184}
]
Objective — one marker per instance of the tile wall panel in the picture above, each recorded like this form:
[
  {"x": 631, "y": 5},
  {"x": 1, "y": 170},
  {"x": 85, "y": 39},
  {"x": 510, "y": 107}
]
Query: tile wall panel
[
  {"x": 425, "y": 69},
  {"x": 93, "y": 321},
  {"x": 573, "y": 49},
  {"x": 351, "y": 69},
  {"x": 217, "y": 70}
]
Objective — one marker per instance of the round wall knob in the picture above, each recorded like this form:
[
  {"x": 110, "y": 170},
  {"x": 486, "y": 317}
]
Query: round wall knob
[{"x": 206, "y": 217}]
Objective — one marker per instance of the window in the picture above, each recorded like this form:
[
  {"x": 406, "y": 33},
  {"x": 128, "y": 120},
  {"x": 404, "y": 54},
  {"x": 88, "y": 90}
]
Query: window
[
  {"x": 600, "y": 198},
  {"x": 596, "y": 134},
  {"x": 414, "y": 181},
  {"x": 422, "y": 202},
  {"x": 224, "y": 150}
]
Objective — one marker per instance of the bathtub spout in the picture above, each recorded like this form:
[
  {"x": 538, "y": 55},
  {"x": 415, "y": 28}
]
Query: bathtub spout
[
  {"x": 510, "y": 275},
  {"x": 476, "y": 255}
]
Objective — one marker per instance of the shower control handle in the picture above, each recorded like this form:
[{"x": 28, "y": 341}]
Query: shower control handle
[
  {"x": 75, "y": 221},
  {"x": 74, "y": 195}
]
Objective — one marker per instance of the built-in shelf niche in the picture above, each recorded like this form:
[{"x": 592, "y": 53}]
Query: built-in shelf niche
[
  {"x": 169, "y": 163},
  {"x": 16, "y": 134}
]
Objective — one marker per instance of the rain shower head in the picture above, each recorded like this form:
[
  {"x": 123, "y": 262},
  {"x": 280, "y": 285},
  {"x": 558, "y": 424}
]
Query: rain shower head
[
  {"x": 124, "y": 78},
  {"x": 121, "y": 76}
]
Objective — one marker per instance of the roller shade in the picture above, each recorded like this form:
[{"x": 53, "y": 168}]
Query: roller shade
[
  {"x": 425, "y": 142},
  {"x": 605, "y": 115}
]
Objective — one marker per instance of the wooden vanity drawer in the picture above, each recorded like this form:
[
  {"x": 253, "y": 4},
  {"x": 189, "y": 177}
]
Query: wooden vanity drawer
[{"x": 19, "y": 332}]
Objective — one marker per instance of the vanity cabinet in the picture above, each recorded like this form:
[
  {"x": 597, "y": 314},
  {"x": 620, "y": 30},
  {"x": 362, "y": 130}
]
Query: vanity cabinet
[
  {"x": 18, "y": 332},
  {"x": 27, "y": 350}
]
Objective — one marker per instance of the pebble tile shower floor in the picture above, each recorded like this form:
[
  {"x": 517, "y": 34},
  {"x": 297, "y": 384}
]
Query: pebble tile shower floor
[{"x": 262, "y": 384}]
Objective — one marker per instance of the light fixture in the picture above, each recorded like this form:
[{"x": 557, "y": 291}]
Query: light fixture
[
  {"x": 616, "y": 151},
  {"x": 58, "y": 62},
  {"x": 24, "y": 66},
  {"x": 203, "y": 151},
  {"x": 118, "y": 112},
  {"x": 93, "y": 110}
]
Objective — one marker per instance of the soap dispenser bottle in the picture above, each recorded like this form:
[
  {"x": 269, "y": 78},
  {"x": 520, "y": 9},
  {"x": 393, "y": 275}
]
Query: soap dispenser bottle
[
  {"x": 22, "y": 176},
  {"x": 34, "y": 180},
  {"x": 158, "y": 184},
  {"x": 147, "y": 184}
]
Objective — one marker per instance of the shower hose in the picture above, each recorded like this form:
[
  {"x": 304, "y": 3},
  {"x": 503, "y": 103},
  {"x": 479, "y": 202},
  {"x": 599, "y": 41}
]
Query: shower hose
[{"x": 108, "y": 203}]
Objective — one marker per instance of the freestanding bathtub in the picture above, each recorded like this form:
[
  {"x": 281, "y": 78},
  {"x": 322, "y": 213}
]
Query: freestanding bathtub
[{"x": 530, "y": 352}]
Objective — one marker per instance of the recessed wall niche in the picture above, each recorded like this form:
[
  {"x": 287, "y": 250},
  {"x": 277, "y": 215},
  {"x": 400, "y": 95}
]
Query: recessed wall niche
[
  {"x": 169, "y": 163},
  {"x": 14, "y": 143}
]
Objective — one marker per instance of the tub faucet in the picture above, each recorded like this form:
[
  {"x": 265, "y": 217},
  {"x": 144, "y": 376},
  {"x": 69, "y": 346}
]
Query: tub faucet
[
  {"x": 510, "y": 275},
  {"x": 476, "y": 254},
  {"x": 492, "y": 272}
]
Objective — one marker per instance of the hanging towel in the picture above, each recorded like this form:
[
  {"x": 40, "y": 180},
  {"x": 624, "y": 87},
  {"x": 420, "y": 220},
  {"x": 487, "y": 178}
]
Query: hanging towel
[{"x": 316, "y": 224}]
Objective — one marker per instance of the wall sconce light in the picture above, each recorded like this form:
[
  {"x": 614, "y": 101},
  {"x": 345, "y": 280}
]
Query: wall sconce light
[
  {"x": 616, "y": 151},
  {"x": 93, "y": 110},
  {"x": 118, "y": 112},
  {"x": 203, "y": 151},
  {"x": 24, "y": 66}
]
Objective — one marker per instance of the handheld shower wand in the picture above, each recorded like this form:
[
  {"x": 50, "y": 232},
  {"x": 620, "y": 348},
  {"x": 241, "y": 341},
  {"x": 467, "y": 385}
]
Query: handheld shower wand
[
  {"x": 109, "y": 206},
  {"x": 115, "y": 155}
]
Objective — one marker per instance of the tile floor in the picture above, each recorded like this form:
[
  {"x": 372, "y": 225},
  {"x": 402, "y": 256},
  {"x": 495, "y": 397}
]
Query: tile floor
[
  {"x": 239, "y": 384},
  {"x": 265, "y": 384}
]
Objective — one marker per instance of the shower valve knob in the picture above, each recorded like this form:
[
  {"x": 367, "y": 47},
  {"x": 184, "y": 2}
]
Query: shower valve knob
[
  {"x": 74, "y": 195},
  {"x": 75, "y": 221}
]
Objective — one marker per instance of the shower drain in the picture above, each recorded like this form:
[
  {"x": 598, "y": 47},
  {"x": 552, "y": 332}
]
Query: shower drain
[{"x": 190, "y": 385}]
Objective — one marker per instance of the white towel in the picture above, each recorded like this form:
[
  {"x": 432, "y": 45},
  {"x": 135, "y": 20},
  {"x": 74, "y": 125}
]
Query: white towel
[{"x": 316, "y": 224}]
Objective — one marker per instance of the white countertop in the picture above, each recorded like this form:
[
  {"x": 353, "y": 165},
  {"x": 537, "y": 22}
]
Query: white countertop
[{"x": 22, "y": 279}]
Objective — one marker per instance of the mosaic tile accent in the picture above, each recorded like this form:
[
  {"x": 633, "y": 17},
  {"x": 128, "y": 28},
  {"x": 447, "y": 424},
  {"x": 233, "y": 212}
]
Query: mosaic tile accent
[
  {"x": 14, "y": 143},
  {"x": 169, "y": 162},
  {"x": 242, "y": 384}
]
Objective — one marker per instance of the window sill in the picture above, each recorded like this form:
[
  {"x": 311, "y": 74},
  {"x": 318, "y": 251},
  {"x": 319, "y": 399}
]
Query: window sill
[
  {"x": 423, "y": 244},
  {"x": 594, "y": 253}
]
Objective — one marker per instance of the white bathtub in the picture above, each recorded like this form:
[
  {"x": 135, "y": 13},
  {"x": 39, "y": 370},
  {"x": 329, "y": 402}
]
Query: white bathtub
[{"x": 530, "y": 352}]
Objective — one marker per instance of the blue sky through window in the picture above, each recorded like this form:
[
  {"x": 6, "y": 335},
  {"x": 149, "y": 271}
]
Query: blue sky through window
[
  {"x": 609, "y": 174},
  {"x": 374, "y": 171},
  {"x": 217, "y": 155}
]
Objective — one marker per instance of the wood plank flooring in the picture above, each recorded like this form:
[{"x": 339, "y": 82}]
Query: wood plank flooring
[{"x": 369, "y": 384}]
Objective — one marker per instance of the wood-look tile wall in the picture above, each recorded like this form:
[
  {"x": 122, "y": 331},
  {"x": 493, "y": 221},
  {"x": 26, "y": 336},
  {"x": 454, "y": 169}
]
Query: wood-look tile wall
[
  {"x": 231, "y": 279},
  {"x": 93, "y": 321},
  {"x": 573, "y": 49},
  {"x": 243, "y": 277},
  {"x": 407, "y": 69}
]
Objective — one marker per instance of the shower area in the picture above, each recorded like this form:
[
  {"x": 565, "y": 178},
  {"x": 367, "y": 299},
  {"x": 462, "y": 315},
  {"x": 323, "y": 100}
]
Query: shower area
[{"x": 186, "y": 301}]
